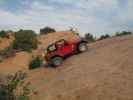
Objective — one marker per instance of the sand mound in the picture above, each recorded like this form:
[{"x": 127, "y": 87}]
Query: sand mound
[{"x": 52, "y": 37}]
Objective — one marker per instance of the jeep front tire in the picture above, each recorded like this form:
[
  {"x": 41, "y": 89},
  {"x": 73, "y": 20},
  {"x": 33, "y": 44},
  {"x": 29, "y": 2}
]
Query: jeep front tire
[{"x": 56, "y": 61}]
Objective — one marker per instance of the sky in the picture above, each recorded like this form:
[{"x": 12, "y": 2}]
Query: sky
[{"x": 94, "y": 16}]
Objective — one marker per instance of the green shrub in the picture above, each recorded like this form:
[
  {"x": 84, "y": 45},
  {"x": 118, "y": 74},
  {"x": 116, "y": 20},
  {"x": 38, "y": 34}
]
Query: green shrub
[
  {"x": 25, "y": 94},
  {"x": 89, "y": 37},
  {"x": 47, "y": 30},
  {"x": 8, "y": 89},
  {"x": 35, "y": 63},
  {"x": 25, "y": 40},
  {"x": 3, "y": 34},
  {"x": 123, "y": 33},
  {"x": 7, "y": 52},
  {"x": 104, "y": 37}
]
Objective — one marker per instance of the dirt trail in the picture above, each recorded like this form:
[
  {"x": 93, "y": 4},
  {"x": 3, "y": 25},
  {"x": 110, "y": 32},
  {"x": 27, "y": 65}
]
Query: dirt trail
[{"x": 105, "y": 72}]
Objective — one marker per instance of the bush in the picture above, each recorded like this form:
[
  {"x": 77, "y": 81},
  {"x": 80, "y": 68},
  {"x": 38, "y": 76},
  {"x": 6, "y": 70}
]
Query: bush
[
  {"x": 104, "y": 37},
  {"x": 8, "y": 89},
  {"x": 3, "y": 34},
  {"x": 89, "y": 37},
  {"x": 123, "y": 33},
  {"x": 35, "y": 63},
  {"x": 25, "y": 40},
  {"x": 7, "y": 52},
  {"x": 47, "y": 30}
]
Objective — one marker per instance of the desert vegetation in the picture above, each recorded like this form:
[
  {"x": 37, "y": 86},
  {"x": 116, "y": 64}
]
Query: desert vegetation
[
  {"x": 123, "y": 33},
  {"x": 10, "y": 86},
  {"x": 4, "y": 34},
  {"x": 7, "y": 52},
  {"x": 47, "y": 30},
  {"x": 104, "y": 37},
  {"x": 36, "y": 62},
  {"x": 25, "y": 40},
  {"x": 89, "y": 37}
]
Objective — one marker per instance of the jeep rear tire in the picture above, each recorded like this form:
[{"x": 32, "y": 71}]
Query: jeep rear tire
[
  {"x": 56, "y": 61},
  {"x": 82, "y": 47}
]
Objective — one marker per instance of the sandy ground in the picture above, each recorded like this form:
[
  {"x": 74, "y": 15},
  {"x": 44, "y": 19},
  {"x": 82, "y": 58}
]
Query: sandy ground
[
  {"x": 104, "y": 72},
  {"x": 16, "y": 63}
]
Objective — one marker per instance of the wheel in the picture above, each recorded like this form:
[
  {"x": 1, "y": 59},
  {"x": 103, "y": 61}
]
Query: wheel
[
  {"x": 82, "y": 47},
  {"x": 56, "y": 61}
]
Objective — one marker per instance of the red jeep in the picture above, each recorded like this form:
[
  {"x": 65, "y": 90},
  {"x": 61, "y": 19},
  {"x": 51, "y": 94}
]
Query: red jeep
[{"x": 61, "y": 49}]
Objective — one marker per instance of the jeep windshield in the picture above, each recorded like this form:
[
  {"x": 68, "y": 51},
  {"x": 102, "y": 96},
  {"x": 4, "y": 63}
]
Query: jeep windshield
[
  {"x": 51, "y": 48},
  {"x": 56, "y": 45}
]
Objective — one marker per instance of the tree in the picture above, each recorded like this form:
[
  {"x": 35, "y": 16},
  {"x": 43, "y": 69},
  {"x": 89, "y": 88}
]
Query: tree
[
  {"x": 47, "y": 30},
  {"x": 25, "y": 40},
  {"x": 89, "y": 37},
  {"x": 104, "y": 37}
]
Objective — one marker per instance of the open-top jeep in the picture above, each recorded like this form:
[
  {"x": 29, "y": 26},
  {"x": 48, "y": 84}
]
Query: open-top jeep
[{"x": 58, "y": 51}]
